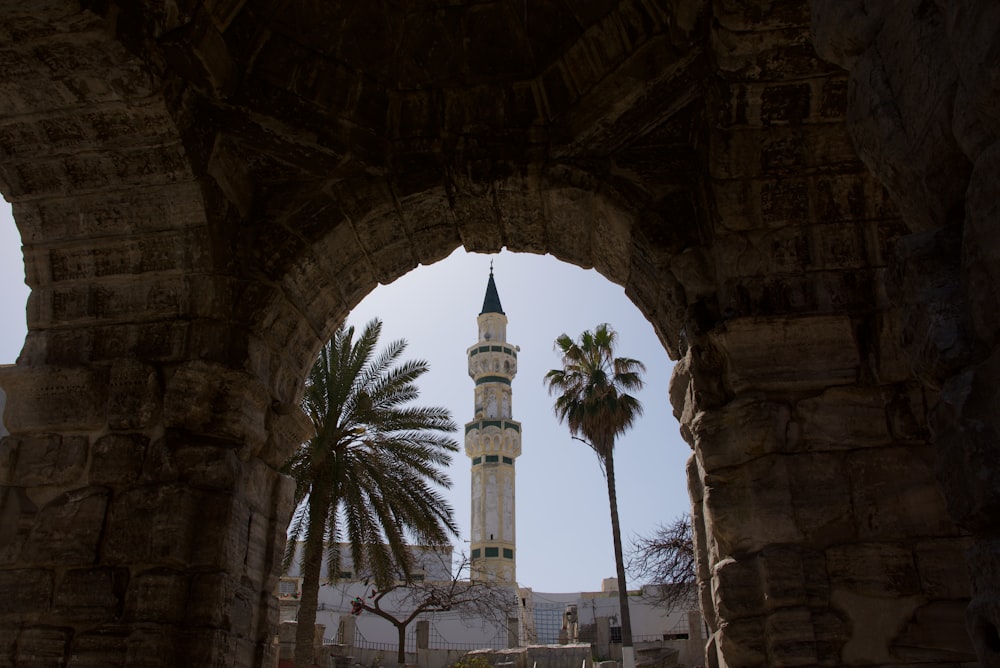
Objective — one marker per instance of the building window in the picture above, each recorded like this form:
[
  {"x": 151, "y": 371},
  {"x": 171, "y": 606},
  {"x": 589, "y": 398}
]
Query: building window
[
  {"x": 288, "y": 588},
  {"x": 493, "y": 552},
  {"x": 508, "y": 553},
  {"x": 476, "y": 553},
  {"x": 492, "y": 459},
  {"x": 344, "y": 575},
  {"x": 508, "y": 460},
  {"x": 616, "y": 634},
  {"x": 477, "y": 460}
]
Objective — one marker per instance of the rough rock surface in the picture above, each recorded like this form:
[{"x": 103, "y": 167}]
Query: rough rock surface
[{"x": 800, "y": 196}]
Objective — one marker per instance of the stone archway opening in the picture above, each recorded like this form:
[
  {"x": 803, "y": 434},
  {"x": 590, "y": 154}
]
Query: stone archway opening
[{"x": 563, "y": 533}]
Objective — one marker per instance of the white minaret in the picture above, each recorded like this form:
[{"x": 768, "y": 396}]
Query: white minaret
[{"x": 493, "y": 442}]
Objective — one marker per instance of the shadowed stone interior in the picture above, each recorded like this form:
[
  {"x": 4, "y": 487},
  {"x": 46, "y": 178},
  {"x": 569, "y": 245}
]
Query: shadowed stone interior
[{"x": 798, "y": 196}]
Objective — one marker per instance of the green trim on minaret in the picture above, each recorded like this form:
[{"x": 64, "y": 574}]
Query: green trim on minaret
[{"x": 492, "y": 302}]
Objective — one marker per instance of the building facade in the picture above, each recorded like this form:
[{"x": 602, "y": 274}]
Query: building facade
[
  {"x": 373, "y": 639},
  {"x": 493, "y": 443}
]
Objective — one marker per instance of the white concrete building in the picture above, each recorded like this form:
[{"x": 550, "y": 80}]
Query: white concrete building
[
  {"x": 545, "y": 618},
  {"x": 454, "y": 629}
]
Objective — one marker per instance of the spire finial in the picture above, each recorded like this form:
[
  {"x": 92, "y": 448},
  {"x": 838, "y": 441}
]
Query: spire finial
[{"x": 492, "y": 302}]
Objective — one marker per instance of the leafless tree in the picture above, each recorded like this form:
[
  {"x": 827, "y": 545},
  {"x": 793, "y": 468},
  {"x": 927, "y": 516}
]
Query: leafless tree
[
  {"x": 666, "y": 559},
  {"x": 410, "y": 599}
]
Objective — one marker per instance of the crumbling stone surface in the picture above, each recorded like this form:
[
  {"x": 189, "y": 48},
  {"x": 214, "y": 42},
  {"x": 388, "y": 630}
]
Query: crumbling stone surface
[{"x": 800, "y": 196}]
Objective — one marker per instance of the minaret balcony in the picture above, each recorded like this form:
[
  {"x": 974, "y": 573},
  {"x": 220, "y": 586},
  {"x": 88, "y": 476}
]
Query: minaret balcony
[
  {"x": 481, "y": 425},
  {"x": 487, "y": 360},
  {"x": 494, "y": 348}
]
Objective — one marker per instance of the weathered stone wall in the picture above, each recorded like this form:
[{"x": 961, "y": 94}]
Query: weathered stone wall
[
  {"x": 823, "y": 534},
  {"x": 143, "y": 515},
  {"x": 799, "y": 196},
  {"x": 922, "y": 111}
]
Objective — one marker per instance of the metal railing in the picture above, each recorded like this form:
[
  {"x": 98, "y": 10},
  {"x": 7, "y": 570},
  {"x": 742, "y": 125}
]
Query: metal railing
[
  {"x": 435, "y": 641},
  {"x": 438, "y": 641},
  {"x": 410, "y": 643}
]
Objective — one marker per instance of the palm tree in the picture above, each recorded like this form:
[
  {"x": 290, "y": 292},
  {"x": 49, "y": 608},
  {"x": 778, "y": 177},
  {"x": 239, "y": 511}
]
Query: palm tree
[
  {"x": 592, "y": 399},
  {"x": 368, "y": 476}
]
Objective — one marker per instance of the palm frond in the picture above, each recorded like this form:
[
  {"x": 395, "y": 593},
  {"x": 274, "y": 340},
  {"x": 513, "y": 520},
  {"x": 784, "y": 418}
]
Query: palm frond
[
  {"x": 592, "y": 387},
  {"x": 380, "y": 460}
]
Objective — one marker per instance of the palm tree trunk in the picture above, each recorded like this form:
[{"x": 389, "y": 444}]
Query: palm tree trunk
[
  {"x": 628, "y": 654},
  {"x": 312, "y": 564}
]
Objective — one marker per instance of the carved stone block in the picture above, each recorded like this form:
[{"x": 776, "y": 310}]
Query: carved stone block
[
  {"x": 117, "y": 459},
  {"x": 67, "y": 530},
  {"x": 936, "y": 631},
  {"x": 168, "y": 525},
  {"x": 944, "y": 573},
  {"x": 873, "y": 569},
  {"x": 158, "y": 595},
  {"x": 791, "y": 637},
  {"x": 742, "y": 642},
  {"x": 42, "y": 459},
  {"x": 219, "y": 600},
  {"x": 53, "y": 399},
  {"x": 133, "y": 395},
  {"x": 285, "y": 432},
  {"x": 217, "y": 402},
  {"x": 736, "y": 589},
  {"x": 895, "y": 494},
  {"x": 91, "y": 593},
  {"x": 207, "y": 466},
  {"x": 842, "y": 418},
  {"x": 25, "y": 591},
  {"x": 99, "y": 648},
  {"x": 42, "y": 646},
  {"x": 742, "y": 430},
  {"x": 792, "y": 576},
  {"x": 802, "y": 353}
]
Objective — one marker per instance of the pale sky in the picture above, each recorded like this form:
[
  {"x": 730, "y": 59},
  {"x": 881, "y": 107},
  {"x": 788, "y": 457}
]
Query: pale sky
[{"x": 562, "y": 523}]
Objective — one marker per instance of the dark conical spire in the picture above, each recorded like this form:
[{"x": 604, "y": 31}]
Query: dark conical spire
[{"x": 492, "y": 302}]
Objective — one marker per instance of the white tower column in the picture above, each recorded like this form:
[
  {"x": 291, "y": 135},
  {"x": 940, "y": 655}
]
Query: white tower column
[{"x": 493, "y": 443}]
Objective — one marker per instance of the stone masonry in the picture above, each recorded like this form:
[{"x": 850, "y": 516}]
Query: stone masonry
[{"x": 798, "y": 195}]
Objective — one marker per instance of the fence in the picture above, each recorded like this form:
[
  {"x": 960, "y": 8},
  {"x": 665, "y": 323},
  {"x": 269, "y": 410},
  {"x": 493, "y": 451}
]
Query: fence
[
  {"x": 435, "y": 641},
  {"x": 410, "y": 644},
  {"x": 548, "y": 618},
  {"x": 438, "y": 641}
]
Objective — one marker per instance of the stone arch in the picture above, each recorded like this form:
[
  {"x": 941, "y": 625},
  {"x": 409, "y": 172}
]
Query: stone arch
[
  {"x": 205, "y": 191},
  {"x": 363, "y": 248}
]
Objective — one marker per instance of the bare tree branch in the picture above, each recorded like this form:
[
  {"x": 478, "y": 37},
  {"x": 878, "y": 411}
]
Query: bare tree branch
[
  {"x": 470, "y": 598},
  {"x": 666, "y": 559}
]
